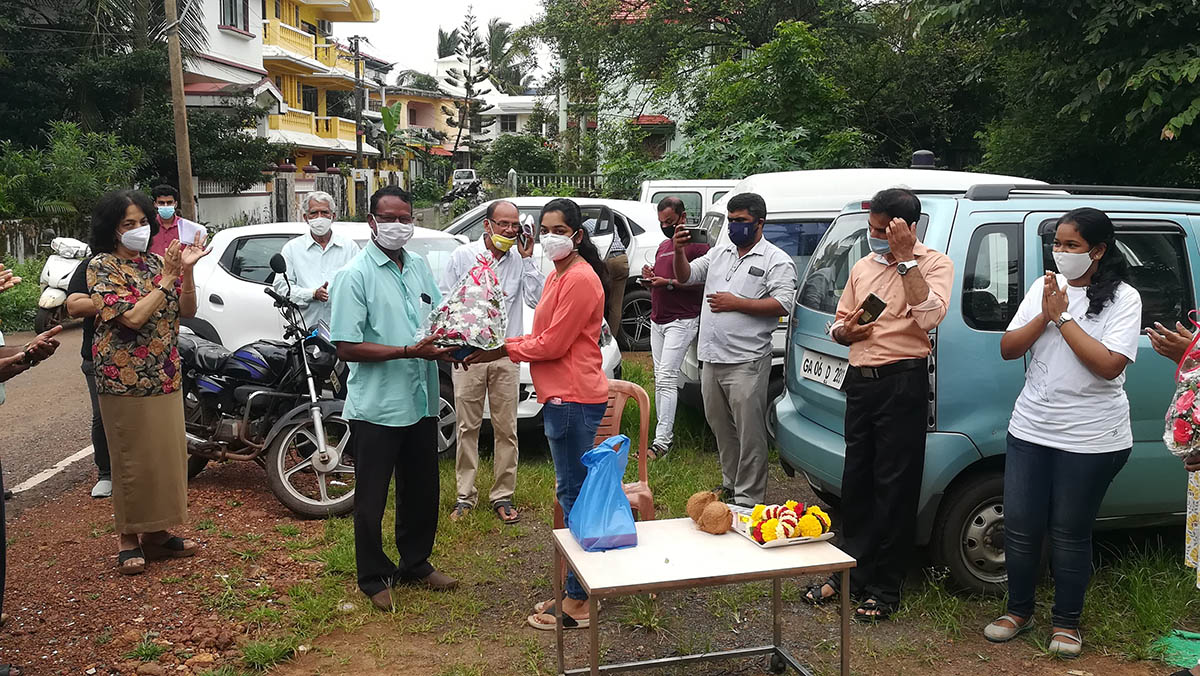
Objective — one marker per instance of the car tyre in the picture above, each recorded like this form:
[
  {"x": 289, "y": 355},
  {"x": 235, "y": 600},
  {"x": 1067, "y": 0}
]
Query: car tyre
[
  {"x": 634, "y": 335},
  {"x": 447, "y": 418},
  {"x": 968, "y": 534}
]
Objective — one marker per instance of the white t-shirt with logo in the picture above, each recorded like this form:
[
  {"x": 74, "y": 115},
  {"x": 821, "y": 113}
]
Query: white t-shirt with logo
[{"x": 1063, "y": 404}]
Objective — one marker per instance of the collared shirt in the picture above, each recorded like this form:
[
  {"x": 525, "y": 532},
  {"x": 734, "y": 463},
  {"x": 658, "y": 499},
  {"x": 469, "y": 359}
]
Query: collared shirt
[
  {"x": 181, "y": 229},
  {"x": 374, "y": 301},
  {"x": 308, "y": 267},
  {"x": 520, "y": 279},
  {"x": 683, "y": 301},
  {"x": 902, "y": 331},
  {"x": 764, "y": 272},
  {"x": 616, "y": 248}
]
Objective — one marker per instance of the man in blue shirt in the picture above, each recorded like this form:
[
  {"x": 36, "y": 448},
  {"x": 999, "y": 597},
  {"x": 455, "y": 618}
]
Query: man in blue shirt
[
  {"x": 313, "y": 260},
  {"x": 381, "y": 305}
]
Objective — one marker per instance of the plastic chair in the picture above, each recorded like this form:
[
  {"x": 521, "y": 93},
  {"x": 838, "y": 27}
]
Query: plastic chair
[{"x": 641, "y": 498}]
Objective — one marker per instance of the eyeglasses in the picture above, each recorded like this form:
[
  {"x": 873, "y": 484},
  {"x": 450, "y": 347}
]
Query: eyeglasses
[
  {"x": 506, "y": 224},
  {"x": 403, "y": 220}
]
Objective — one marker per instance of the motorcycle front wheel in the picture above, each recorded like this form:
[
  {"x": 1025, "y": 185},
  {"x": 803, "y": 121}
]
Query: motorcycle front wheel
[
  {"x": 45, "y": 319},
  {"x": 294, "y": 480}
]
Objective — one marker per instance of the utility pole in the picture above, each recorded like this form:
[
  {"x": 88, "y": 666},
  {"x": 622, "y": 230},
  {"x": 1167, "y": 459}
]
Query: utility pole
[
  {"x": 183, "y": 146},
  {"x": 358, "y": 105}
]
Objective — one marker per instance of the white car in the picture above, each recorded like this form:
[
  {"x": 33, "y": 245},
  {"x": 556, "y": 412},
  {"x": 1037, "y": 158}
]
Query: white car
[
  {"x": 636, "y": 223},
  {"x": 233, "y": 310},
  {"x": 698, "y": 196}
]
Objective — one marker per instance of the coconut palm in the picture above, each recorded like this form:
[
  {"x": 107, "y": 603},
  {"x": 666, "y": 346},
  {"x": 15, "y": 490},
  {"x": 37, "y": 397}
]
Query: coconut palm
[
  {"x": 509, "y": 60},
  {"x": 447, "y": 43}
]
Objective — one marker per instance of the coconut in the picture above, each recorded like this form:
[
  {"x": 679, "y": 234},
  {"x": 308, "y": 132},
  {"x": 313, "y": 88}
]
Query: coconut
[
  {"x": 716, "y": 518},
  {"x": 697, "y": 503}
]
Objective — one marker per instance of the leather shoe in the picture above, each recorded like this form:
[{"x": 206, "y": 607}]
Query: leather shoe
[
  {"x": 382, "y": 600},
  {"x": 438, "y": 581}
]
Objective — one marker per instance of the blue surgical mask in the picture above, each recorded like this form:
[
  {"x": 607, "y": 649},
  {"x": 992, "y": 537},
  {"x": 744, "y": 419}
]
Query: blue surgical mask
[
  {"x": 166, "y": 213},
  {"x": 741, "y": 232},
  {"x": 879, "y": 246}
]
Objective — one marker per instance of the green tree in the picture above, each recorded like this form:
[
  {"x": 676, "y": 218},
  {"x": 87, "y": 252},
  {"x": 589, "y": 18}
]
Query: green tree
[
  {"x": 509, "y": 60},
  {"x": 447, "y": 43},
  {"x": 415, "y": 79},
  {"x": 471, "y": 77},
  {"x": 523, "y": 152}
]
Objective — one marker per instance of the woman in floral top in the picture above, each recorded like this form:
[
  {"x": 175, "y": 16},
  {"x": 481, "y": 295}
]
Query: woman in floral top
[{"x": 139, "y": 298}]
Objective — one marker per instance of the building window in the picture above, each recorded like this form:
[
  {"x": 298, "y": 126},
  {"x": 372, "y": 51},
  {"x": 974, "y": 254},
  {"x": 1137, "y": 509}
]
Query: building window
[
  {"x": 508, "y": 124},
  {"x": 236, "y": 13},
  {"x": 278, "y": 9},
  {"x": 308, "y": 98},
  {"x": 412, "y": 117}
]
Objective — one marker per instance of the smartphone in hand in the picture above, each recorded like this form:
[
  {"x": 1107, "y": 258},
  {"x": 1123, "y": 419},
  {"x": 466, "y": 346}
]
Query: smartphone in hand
[
  {"x": 872, "y": 308},
  {"x": 526, "y": 232},
  {"x": 697, "y": 235}
]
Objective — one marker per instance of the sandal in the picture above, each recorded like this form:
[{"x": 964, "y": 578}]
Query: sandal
[
  {"x": 135, "y": 554},
  {"x": 10, "y": 670},
  {"x": 503, "y": 509},
  {"x": 882, "y": 611},
  {"x": 543, "y": 607},
  {"x": 816, "y": 594},
  {"x": 659, "y": 451},
  {"x": 1072, "y": 647},
  {"x": 172, "y": 548},
  {"x": 460, "y": 510},
  {"x": 547, "y": 622}
]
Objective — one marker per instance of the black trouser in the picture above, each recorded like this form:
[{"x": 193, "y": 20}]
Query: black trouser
[
  {"x": 99, "y": 441},
  {"x": 3, "y": 540},
  {"x": 881, "y": 482},
  {"x": 410, "y": 455}
]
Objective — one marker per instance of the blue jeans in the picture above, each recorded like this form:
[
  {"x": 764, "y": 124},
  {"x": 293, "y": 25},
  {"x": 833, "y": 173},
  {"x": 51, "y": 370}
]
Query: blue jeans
[
  {"x": 571, "y": 431},
  {"x": 1047, "y": 489}
]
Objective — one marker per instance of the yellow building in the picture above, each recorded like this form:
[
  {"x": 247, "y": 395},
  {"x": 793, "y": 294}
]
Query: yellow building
[
  {"x": 315, "y": 74},
  {"x": 423, "y": 114}
]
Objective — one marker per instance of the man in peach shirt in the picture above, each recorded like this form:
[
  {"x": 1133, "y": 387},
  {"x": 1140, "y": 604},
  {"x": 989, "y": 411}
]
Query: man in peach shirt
[{"x": 887, "y": 394}]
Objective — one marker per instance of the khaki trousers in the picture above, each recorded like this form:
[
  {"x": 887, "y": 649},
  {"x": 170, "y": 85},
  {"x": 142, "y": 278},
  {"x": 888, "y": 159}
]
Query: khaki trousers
[
  {"x": 498, "y": 381},
  {"x": 618, "y": 276}
]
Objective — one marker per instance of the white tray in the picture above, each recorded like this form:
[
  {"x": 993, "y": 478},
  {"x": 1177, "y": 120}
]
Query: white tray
[{"x": 743, "y": 530}]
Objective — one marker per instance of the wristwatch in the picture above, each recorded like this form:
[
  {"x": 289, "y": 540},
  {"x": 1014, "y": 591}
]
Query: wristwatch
[
  {"x": 1063, "y": 319},
  {"x": 904, "y": 267}
]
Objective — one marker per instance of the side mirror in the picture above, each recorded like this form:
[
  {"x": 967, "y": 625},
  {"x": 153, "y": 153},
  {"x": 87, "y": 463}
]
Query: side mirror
[{"x": 278, "y": 264}]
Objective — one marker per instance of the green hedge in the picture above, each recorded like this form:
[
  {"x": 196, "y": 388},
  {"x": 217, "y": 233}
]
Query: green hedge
[{"x": 18, "y": 305}]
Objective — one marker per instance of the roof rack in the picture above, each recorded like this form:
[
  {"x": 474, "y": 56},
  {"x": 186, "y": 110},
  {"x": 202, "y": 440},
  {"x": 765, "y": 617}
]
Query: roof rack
[{"x": 991, "y": 192}]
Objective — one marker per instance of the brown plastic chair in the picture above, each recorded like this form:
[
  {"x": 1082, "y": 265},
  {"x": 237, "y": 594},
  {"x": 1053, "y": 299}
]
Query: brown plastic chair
[{"x": 641, "y": 499}]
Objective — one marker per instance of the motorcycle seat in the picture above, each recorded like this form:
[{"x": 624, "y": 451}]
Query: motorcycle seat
[{"x": 202, "y": 354}]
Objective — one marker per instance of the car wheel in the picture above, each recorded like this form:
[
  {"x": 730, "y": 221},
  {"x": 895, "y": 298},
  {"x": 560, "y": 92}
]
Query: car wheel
[
  {"x": 634, "y": 335},
  {"x": 447, "y": 419},
  {"x": 968, "y": 535}
]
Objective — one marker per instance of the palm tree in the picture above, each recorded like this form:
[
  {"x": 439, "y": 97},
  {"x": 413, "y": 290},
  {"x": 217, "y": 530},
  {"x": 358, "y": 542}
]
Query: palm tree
[
  {"x": 509, "y": 61},
  {"x": 447, "y": 43},
  {"x": 136, "y": 23},
  {"x": 415, "y": 79}
]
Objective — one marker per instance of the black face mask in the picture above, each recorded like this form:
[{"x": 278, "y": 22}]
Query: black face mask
[{"x": 669, "y": 232}]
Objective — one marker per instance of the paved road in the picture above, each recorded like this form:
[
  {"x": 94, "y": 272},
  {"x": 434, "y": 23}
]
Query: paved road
[{"x": 45, "y": 419}]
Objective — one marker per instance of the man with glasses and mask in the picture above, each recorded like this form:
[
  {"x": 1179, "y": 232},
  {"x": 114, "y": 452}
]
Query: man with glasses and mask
[
  {"x": 381, "y": 305},
  {"x": 674, "y": 320},
  {"x": 313, "y": 260},
  {"x": 749, "y": 283},
  {"x": 511, "y": 257}
]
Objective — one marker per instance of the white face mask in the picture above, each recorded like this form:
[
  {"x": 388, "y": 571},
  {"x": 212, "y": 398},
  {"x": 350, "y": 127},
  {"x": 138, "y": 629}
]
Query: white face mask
[
  {"x": 1073, "y": 265},
  {"x": 137, "y": 239},
  {"x": 557, "y": 247},
  {"x": 320, "y": 226},
  {"x": 392, "y": 236}
]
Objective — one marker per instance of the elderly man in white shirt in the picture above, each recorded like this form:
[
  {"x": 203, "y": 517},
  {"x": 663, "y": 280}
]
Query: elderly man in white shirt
[
  {"x": 314, "y": 259},
  {"x": 498, "y": 381}
]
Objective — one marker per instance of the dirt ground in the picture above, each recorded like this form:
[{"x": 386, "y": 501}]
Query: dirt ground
[{"x": 71, "y": 613}]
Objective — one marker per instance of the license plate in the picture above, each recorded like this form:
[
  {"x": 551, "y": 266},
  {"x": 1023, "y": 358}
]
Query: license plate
[{"x": 824, "y": 369}]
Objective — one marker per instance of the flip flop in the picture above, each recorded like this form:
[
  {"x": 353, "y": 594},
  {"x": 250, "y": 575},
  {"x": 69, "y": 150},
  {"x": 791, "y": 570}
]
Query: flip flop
[
  {"x": 547, "y": 622},
  {"x": 815, "y": 594},
  {"x": 502, "y": 507},
  {"x": 883, "y": 611},
  {"x": 460, "y": 510},
  {"x": 130, "y": 555}
]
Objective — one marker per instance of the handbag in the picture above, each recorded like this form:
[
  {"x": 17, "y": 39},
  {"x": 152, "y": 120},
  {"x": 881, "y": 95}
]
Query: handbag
[
  {"x": 601, "y": 517},
  {"x": 1182, "y": 434}
]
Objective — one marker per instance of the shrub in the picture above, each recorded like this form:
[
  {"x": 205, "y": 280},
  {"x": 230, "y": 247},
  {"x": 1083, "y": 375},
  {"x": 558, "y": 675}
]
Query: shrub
[{"x": 18, "y": 305}]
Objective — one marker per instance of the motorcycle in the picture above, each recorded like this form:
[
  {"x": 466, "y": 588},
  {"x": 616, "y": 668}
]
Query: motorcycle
[
  {"x": 471, "y": 191},
  {"x": 263, "y": 402},
  {"x": 56, "y": 275}
]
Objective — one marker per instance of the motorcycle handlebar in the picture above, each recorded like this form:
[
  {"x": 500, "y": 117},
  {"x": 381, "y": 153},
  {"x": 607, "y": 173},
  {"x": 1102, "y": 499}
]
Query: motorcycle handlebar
[{"x": 279, "y": 300}]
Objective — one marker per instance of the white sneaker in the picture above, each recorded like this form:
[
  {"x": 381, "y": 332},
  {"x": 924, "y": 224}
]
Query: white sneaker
[{"x": 102, "y": 489}]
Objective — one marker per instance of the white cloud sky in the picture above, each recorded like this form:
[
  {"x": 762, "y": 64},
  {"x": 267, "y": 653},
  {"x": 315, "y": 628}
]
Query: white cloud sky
[{"x": 406, "y": 32}]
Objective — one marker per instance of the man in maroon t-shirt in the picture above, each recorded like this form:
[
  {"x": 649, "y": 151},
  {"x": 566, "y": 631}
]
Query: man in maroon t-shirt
[{"x": 675, "y": 320}]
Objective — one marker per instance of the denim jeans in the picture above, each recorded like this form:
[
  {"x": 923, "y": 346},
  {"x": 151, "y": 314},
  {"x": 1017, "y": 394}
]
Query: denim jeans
[
  {"x": 669, "y": 344},
  {"x": 1055, "y": 491},
  {"x": 571, "y": 431}
]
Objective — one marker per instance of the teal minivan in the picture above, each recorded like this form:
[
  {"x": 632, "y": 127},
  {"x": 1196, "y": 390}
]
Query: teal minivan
[{"x": 999, "y": 237}]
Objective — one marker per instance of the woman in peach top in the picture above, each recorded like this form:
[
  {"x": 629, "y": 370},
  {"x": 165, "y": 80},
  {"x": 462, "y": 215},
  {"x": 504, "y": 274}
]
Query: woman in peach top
[{"x": 567, "y": 370}]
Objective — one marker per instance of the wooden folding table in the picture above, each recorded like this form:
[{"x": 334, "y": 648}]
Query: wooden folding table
[{"x": 674, "y": 554}]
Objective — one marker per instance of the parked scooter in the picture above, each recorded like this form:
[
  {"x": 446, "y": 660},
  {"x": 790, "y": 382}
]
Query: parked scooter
[
  {"x": 471, "y": 191},
  {"x": 263, "y": 402},
  {"x": 56, "y": 275}
]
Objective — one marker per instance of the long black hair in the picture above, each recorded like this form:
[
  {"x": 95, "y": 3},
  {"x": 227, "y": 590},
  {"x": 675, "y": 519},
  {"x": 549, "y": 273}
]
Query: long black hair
[
  {"x": 587, "y": 249},
  {"x": 110, "y": 211},
  {"x": 1096, "y": 228}
]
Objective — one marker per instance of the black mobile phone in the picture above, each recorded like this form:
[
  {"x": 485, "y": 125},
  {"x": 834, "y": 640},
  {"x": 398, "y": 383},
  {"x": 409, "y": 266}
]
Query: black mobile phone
[
  {"x": 697, "y": 235},
  {"x": 872, "y": 308}
]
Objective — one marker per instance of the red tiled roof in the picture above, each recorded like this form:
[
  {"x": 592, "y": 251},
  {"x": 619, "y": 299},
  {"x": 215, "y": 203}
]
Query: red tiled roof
[
  {"x": 438, "y": 150},
  {"x": 652, "y": 120}
]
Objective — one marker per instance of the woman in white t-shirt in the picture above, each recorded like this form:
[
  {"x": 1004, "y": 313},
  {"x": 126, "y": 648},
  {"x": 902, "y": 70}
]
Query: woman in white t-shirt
[{"x": 1070, "y": 432}]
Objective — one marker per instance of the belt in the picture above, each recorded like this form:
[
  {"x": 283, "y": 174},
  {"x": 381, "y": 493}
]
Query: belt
[{"x": 877, "y": 372}]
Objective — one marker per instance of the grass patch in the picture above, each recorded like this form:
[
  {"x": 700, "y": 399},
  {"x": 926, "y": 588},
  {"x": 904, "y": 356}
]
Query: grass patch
[
  {"x": 205, "y": 524},
  {"x": 264, "y": 654},
  {"x": 934, "y": 603},
  {"x": 287, "y": 530},
  {"x": 146, "y": 650},
  {"x": 642, "y": 612}
]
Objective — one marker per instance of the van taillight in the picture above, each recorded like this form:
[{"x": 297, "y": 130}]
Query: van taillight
[{"x": 866, "y": 205}]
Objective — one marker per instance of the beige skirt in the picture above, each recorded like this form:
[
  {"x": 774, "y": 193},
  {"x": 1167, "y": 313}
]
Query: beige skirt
[{"x": 148, "y": 448}]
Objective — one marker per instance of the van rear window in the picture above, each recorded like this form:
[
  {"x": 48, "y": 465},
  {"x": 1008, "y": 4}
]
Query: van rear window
[{"x": 842, "y": 246}]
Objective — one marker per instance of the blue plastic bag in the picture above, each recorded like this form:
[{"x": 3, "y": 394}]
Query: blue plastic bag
[{"x": 601, "y": 518}]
